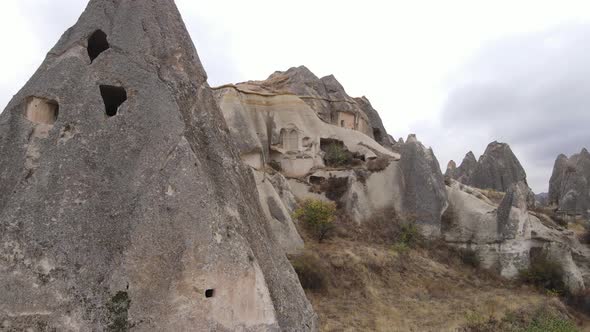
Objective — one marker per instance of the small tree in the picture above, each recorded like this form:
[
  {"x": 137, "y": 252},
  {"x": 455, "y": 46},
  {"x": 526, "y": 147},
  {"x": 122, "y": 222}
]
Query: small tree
[{"x": 316, "y": 215}]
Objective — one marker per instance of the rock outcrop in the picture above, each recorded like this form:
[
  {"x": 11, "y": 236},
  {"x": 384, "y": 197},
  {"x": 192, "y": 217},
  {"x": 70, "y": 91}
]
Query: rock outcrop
[
  {"x": 424, "y": 193},
  {"x": 326, "y": 97},
  {"x": 497, "y": 169},
  {"x": 569, "y": 186},
  {"x": 379, "y": 133},
  {"x": 507, "y": 236},
  {"x": 123, "y": 202},
  {"x": 464, "y": 172}
]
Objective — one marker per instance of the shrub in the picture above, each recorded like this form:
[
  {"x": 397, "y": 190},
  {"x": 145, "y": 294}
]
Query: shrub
[
  {"x": 337, "y": 155},
  {"x": 317, "y": 216},
  {"x": 469, "y": 257},
  {"x": 409, "y": 234},
  {"x": 312, "y": 275},
  {"x": 579, "y": 300},
  {"x": 275, "y": 165},
  {"x": 544, "y": 273}
]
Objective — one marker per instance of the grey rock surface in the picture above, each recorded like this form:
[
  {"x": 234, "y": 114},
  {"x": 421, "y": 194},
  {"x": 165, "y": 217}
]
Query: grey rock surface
[
  {"x": 424, "y": 192},
  {"x": 466, "y": 169},
  {"x": 569, "y": 186},
  {"x": 497, "y": 169},
  {"x": 146, "y": 218},
  {"x": 379, "y": 132}
]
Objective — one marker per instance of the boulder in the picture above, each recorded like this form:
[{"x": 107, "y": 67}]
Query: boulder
[{"x": 123, "y": 200}]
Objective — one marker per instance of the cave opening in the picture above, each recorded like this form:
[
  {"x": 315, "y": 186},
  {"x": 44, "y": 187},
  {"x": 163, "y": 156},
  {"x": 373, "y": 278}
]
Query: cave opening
[
  {"x": 97, "y": 43},
  {"x": 113, "y": 97}
]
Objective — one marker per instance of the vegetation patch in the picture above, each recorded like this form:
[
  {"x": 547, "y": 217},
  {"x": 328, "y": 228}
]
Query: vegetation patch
[
  {"x": 317, "y": 217},
  {"x": 118, "y": 308},
  {"x": 542, "y": 319},
  {"x": 337, "y": 155},
  {"x": 544, "y": 273}
]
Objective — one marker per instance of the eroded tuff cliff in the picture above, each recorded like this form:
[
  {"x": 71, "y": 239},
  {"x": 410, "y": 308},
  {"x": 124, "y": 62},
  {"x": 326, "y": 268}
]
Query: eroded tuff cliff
[
  {"x": 569, "y": 186},
  {"x": 283, "y": 131},
  {"x": 123, "y": 201},
  {"x": 497, "y": 169}
]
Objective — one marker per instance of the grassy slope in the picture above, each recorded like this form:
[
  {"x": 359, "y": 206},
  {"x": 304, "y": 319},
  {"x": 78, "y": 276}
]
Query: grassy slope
[{"x": 370, "y": 286}]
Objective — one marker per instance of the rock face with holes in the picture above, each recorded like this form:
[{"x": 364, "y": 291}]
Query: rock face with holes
[
  {"x": 569, "y": 186},
  {"x": 497, "y": 169},
  {"x": 123, "y": 202}
]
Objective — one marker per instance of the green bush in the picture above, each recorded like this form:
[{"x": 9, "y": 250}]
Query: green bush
[
  {"x": 544, "y": 273},
  {"x": 317, "y": 216},
  {"x": 337, "y": 155},
  {"x": 409, "y": 234},
  {"x": 470, "y": 257}
]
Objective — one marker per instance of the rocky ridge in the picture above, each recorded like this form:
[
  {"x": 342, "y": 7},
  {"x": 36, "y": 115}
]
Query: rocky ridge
[{"x": 497, "y": 169}]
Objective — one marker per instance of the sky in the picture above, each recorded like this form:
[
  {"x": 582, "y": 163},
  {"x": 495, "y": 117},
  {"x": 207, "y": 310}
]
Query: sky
[{"x": 458, "y": 73}]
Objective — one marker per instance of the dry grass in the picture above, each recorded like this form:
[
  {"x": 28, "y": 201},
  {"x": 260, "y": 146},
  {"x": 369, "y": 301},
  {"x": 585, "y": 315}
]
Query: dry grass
[{"x": 376, "y": 286}]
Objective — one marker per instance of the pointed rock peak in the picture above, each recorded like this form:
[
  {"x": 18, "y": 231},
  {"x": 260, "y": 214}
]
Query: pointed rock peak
[
  {"x": 301, "y": 71},
  {"x": 451, "y": 165},
  {"x": 145, "y": 104},
  {"x": 400, "y": 140},
  {"x": 470, "y": 156},
  {"x": 412, "y": 138},
  {"x": 584, "y": 152}
]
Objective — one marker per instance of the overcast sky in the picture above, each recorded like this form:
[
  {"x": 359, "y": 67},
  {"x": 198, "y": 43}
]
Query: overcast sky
[{"x": 459, "y": 74}]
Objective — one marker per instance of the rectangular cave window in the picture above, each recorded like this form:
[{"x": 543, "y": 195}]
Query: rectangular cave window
[
  {"x": 113, "y": 97},
  {"x": 97, "y": 43},
  {"x": 41, "y": 110},
  {"x": 209, "y": 293}
]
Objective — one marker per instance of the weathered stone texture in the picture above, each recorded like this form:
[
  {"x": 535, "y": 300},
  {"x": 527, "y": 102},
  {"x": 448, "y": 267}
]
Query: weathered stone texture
[{"x": 145, "y": 217}]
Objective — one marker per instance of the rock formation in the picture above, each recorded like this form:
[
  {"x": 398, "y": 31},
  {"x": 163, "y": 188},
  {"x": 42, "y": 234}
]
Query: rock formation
[
  {"x": 507, "y": 236},
  {"x": 425, "y": 196},
  {"x": 278, "y": 126},
  {"x": 569, "y": 186},
  {"x": 497, "y": 169},
  {"x": 379, "y": 133},
  {"x": 123, "y": 202},
  {"x": 464, "y": 172}
]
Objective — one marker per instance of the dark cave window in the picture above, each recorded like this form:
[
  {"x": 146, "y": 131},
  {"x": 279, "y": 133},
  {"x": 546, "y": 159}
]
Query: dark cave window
[
  {"x": 97, "y": 43},
  {"x": 113, "y": 97},
  {"x": 209, "y": 293}
]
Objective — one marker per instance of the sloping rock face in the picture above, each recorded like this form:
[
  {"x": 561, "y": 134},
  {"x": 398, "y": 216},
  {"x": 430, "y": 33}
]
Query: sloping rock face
[
  {"x": 497, "y": 169},
  {"x": 569, "y": 186},
  {"x": 123, "y": 201},
  {"x": 379, "y": 132},
  {"x": 425, "y": 196},
  {"x": 508, "y": 236}
]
